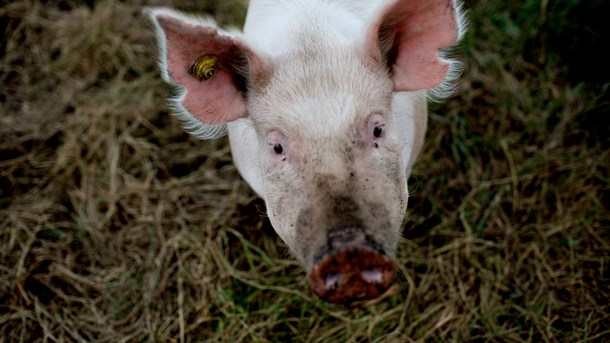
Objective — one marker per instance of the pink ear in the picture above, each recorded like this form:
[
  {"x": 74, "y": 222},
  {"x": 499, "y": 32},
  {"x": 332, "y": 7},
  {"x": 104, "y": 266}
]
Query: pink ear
[
  {"x": 408, "y": 35},
  {"x": 216, "y": 99}
]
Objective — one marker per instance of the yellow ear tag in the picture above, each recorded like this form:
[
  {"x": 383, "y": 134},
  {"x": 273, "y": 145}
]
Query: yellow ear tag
[{"x": 205, "y": 68}]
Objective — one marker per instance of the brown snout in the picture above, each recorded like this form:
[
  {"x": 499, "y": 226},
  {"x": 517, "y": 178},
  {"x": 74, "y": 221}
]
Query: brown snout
[{"x": 352, "y": 269}]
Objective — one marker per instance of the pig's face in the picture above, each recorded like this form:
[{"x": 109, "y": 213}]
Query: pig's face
[
  {"x": 329, "y": 153},
  {"x": 327, "y": 138},
  {"x": 334, "y": 177}
]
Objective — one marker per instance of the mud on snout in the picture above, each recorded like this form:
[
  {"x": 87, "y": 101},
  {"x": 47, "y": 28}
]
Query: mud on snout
[
  {"x": 353, "y": 268},
  {"x": 349, "y": 260}
]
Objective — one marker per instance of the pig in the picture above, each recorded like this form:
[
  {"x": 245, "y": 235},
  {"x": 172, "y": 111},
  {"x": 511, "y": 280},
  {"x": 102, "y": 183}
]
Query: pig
[{"x": 325, "y": 105}]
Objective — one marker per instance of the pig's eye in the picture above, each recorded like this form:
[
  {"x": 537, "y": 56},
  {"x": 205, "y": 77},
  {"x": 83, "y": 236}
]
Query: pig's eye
[
  {"x": 278, "y": 149},
  {"x": 376, "y": 128},
  {"x": 378, "y": 131},
  {"x": 277, "y": 146}
]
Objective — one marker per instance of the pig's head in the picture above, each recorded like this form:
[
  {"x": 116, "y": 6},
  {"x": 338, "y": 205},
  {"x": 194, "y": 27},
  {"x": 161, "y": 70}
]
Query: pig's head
[{"x": 332, "y": 156}]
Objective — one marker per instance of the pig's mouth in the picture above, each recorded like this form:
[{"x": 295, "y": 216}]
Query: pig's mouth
[{"x": 352, "y": 269}]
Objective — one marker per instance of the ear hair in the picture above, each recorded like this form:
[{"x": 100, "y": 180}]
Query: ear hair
[
  {"x": 191, "y": 124},
  {"x": 408, "y": 34},
  {"x": 450, "y": 85}
]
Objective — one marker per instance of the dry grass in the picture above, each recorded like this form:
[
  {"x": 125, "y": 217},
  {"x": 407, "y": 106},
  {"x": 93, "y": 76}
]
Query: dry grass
[{"x": 116, "y": 226}]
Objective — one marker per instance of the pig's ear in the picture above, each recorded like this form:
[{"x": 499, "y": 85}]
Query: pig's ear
[
  {"x": 210, "y": 65},
  {"x": 407, "y": 36}
]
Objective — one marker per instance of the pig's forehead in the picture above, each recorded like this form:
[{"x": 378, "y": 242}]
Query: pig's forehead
[
  {"x": 328, "y": 88},
  {"x": 322, "y": 69}
]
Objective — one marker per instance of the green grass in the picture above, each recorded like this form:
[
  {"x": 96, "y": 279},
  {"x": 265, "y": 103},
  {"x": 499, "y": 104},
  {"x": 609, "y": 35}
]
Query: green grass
[{"x": 116, "y": 226}]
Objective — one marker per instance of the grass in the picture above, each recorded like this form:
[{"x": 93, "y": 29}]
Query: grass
[{"x": 116, "y": 226}]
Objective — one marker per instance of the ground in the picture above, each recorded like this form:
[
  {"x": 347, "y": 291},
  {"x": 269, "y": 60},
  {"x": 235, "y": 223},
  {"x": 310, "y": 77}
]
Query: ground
[{"x": 116, "y": 226}]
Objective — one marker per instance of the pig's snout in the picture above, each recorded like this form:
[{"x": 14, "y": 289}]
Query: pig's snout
[{"x": 351, "y": 269}]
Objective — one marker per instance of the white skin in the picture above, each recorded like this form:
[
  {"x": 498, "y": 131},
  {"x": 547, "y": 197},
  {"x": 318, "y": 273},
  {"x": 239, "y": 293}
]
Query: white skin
[
  {"x": 334, "y": 113},
  {"x": 329, "y": 150}
]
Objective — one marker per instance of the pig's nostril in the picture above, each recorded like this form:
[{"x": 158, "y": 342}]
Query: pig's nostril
[
  {"x": 352, "y": 274},
  {"x": 332, "y": 279},
  {"x": 372, "y": 275}
]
